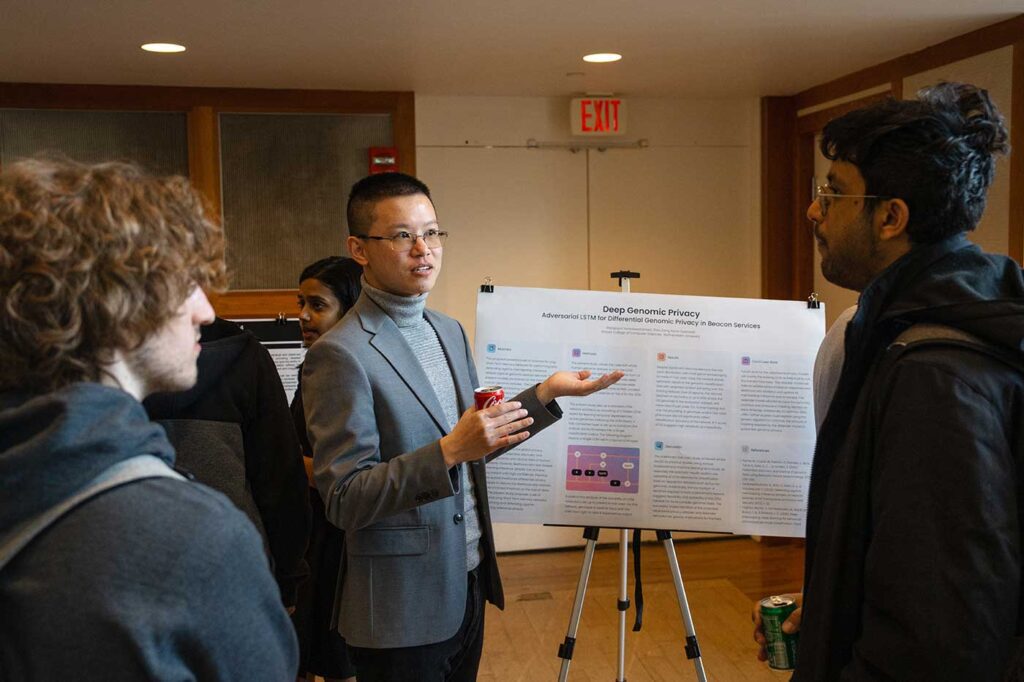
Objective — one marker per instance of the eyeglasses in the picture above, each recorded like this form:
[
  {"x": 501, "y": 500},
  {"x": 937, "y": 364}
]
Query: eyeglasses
[
  {"x": 404, "y": 241},
  {"x": 824, "y": 195}
]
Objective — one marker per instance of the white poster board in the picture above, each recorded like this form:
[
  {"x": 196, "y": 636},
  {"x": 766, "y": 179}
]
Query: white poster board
[{"x": 711, "y": 429}]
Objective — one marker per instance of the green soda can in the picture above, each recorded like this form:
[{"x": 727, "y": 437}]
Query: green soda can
[{"x": 781, "y": 647}]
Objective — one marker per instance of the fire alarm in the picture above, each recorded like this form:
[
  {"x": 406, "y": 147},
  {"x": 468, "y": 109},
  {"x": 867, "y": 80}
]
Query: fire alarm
[{"x": 383, "y": 160}]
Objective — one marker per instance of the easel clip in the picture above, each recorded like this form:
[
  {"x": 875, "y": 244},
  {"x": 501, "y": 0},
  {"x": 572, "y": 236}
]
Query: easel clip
[{"x": 624, "y": 274}]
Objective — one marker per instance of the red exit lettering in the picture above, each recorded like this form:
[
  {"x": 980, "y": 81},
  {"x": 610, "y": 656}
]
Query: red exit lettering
[{"x": 604, "y": 112}]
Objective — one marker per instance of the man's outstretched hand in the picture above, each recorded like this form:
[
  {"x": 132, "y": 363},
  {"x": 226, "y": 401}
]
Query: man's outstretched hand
[{"x": 562, "y": 384}]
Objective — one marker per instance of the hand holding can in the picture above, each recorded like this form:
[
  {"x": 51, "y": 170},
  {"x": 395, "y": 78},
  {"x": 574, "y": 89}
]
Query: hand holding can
[
  {"x": 780, "y": 646},
  {"x": 490, "y": 425}
]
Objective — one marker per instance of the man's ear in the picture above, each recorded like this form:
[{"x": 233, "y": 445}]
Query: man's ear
[
  {"x": 357, "y": 249},
  {"x": 893, "y": 216}
]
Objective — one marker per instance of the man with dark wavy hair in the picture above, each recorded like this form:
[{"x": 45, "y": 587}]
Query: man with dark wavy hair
[
  {"x": 112, "y": 565},
  {"x": 914, "y": 547}
]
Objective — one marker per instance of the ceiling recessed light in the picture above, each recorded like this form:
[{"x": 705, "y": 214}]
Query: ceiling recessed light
[
  {"x": 602, "y": 57},
  {"x": 163, "y": 47}
]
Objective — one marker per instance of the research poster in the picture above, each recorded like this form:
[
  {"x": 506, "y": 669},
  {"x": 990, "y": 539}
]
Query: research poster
[
  {"x": 283, "y": 340},
  {"x": 711, "y": 429}
]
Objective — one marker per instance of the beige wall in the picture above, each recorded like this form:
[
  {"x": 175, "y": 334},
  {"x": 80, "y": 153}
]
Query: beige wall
[{"x": 684, "y": 212}]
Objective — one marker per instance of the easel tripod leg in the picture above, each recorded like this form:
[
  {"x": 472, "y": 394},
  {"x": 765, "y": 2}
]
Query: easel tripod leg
[
  {"x": 565, "y": 649},
  {"x": 623, "y": 603},
  {"x": 692, "y": 648}
]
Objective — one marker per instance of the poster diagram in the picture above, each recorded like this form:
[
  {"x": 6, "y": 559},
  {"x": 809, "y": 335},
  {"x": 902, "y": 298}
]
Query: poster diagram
[{"x": 593, "y": 468}]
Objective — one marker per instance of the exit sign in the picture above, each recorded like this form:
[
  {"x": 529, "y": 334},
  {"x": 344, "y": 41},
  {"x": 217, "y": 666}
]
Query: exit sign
[{"x": 597, "y": 116}]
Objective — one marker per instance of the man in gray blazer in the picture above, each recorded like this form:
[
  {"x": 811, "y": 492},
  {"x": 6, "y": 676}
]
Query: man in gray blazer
[{"x": 398, "y": 467}]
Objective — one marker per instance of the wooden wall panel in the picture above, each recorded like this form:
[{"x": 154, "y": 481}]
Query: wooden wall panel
[
  {"x": 157, "y": 98},
  {"x": 404, "y": 119},
  {"x": 261, "y": 303},
  {"x": 896, "y": 89},
  {"x": 1016, "y": 245},
  {"x": 204, "y": 156},
  {"x": 778, "y": 156},
  {"x": 203, "y": 105},
  {"x": 802, "y": 281},
  {"x": 813, "y": 123},
  {"x": 970, "y": 44}
]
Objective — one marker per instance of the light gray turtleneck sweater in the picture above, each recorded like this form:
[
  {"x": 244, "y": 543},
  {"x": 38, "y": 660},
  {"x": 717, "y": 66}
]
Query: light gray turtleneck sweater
[{"x": 407, "y": 313}]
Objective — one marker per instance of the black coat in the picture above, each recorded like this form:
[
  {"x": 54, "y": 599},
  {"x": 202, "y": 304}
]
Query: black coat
[
  {"x": 233, "y": 431},
  {"x": 914, "y": 565}
]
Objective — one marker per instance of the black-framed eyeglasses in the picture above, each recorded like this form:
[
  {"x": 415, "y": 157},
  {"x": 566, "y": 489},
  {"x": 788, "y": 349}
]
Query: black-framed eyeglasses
[
  {"x": 826, "y": 194},
  {"x": 404, "y": 241}
]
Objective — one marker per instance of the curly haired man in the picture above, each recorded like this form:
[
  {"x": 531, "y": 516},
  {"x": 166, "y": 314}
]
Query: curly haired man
[{"x": 113, "y": 566}]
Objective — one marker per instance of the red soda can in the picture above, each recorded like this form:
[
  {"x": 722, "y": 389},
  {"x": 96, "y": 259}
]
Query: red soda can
[{"x": 486, "y": 396}]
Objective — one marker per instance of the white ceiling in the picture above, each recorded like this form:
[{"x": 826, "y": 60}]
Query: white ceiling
[{"x": 729, "y": 48}]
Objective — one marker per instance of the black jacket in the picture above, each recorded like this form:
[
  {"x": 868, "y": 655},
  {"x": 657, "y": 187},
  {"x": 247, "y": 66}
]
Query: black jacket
[
  {"x": 159, "y": 579},
  {"x": 233, "y": 431},
  {"x": 913, "y": 568}
]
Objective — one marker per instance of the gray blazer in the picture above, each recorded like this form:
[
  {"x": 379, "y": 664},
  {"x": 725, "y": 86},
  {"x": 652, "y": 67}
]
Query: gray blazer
[{"x": 375, "y": 422}]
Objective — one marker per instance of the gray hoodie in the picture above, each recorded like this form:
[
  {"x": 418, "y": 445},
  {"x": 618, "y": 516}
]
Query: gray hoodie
[{"x": 156, "y": 579}]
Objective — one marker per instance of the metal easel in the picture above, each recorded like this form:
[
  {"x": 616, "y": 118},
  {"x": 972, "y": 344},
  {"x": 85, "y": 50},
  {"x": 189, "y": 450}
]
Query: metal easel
[{"x": 590, "y": 534}]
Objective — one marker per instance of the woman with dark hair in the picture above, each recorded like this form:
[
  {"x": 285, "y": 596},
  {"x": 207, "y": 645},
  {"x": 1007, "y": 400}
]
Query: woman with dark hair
[{"x": 327, "y": 289}]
